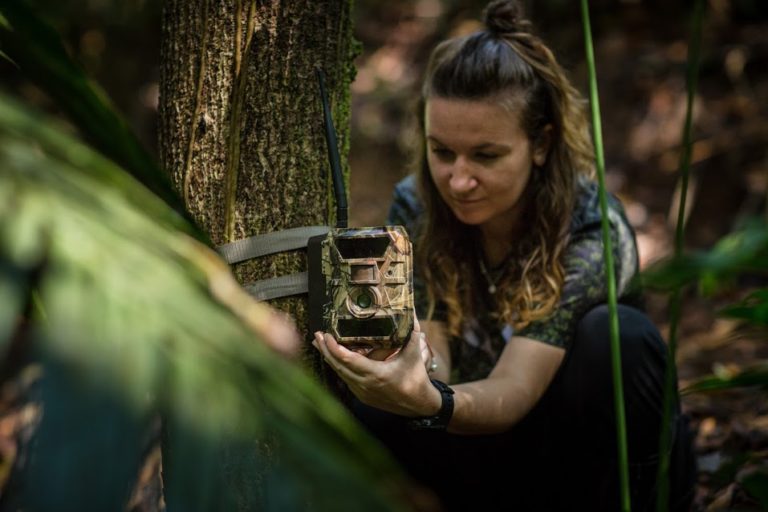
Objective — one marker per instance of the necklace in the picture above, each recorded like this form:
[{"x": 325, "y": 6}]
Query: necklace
[{"x": 487, "y": 275}]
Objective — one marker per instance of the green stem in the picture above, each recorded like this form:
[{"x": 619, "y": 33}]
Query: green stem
[
  {"x": 670, "y": 378},
  {"x": 618, "y": 385}
]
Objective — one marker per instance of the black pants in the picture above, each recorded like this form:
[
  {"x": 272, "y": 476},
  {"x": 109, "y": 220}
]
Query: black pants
[{"x": 563, "y": 454}]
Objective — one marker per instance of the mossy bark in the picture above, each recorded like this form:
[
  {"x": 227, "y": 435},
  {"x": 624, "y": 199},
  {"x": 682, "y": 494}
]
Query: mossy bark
[
  {"x": 241, "y": 121},
  {"x": 241, "y": 134}
]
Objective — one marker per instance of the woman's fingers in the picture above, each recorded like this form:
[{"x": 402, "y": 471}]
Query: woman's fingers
[
  {"x": 321, "y": 345},
  {"x": 386, "y": 384},
  {"x": 383, "y": 354},
  {"x": 336, "y": 365},
  {"x": 345, "y": 362}
]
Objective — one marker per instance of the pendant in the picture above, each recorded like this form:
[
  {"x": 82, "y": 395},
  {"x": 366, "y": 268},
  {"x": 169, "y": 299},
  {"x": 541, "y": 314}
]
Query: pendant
[{"x": 488, "y": 279}]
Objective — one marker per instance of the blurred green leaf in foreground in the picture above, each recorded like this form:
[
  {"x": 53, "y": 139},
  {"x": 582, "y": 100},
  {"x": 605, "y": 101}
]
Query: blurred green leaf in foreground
[
  {"x": 130, "y": 316},
  {"x": 133, "y": 317}
]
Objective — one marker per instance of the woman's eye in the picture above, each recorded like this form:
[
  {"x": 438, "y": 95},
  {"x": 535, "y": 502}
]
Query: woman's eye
[
  {"x": 442, "y": 152},
  {"x": 486, "y": 156}
]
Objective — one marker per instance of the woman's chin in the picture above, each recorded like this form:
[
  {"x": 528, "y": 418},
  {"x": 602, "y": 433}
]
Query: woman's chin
[{"x": 468, "y": 218}]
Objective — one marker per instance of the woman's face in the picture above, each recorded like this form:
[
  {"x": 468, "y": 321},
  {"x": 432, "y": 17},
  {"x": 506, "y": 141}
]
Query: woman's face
[{"x": 480, "y": 160}]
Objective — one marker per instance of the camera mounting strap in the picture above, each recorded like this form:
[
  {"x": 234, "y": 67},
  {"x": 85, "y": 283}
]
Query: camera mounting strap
[
  {"x": 271, "y": 243},
  {"x": 283, "y": 286}
]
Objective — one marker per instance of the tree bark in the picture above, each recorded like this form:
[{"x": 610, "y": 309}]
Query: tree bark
[
  {"x": 241, "y": 120},
  {"x": 241, "y": 134}
]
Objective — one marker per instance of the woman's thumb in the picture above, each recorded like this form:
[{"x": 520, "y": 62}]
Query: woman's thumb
[{"x": 416, "y": 344}]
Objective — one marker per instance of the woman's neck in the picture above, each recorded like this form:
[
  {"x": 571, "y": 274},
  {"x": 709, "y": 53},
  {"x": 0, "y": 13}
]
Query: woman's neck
[
  {"x": 500, "y": 234},
  {"x": 497, "y": 242}
]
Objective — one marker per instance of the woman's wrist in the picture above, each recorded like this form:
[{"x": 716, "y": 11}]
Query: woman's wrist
[
  {"x": 440, "y": 419},
  {"x": 432, "y": 402}
]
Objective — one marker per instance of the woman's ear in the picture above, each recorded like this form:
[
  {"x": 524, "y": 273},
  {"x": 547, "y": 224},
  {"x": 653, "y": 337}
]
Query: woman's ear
[{"x": 541, "y": 146}]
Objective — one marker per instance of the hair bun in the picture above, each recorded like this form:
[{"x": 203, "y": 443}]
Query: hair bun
[{"x": 502, "y": 17}]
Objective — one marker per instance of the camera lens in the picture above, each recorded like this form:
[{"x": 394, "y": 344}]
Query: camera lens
[{"x": 364, "y": 300}]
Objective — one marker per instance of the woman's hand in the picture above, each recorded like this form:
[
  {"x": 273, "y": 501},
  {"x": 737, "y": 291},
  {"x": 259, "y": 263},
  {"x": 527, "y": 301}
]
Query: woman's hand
[{"x": 398, "y": 384}]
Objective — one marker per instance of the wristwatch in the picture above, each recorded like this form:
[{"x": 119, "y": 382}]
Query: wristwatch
[{"x": 440, "y": 420}]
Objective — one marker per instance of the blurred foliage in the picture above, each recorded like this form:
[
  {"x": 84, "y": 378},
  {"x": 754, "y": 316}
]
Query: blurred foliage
[
  {"x": 743, "y": 252},
  {"x": 131, "y": 316},
  {"x": 753, "y": 309},
  {"x": 36, "y": 49},
  {"x": 130, "y": 323},
  {"x": 756, "y": 376},
  {"x": 756, "y": 484},
  {"x": 738, "y": 259}
]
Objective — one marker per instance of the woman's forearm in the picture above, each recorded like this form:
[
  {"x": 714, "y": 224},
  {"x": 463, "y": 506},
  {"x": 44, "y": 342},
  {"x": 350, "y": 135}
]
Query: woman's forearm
[
  {"x": 489, "y": 406},
  {"x": 519, "y": 379}
]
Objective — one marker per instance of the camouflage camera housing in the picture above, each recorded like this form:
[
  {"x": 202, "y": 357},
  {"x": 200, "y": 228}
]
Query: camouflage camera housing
[{"x": 361, "y": 286}]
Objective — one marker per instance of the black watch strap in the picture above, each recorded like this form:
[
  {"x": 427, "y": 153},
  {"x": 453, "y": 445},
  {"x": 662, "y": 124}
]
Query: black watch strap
[{"x": 440, "y": 420}]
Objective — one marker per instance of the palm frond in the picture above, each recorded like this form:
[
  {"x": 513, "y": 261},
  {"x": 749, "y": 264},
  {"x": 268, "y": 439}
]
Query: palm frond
[
  {"x": 133, "y": 321},
  {"x": 37, "y": 50}
]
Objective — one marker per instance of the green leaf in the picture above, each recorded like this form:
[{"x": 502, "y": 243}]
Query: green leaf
[
  {"x": 37, "y": 50},
  {"x": 742, "y": 252},
  {"x": 142, "y": 319},
  {"x": 753, "y": 309},
  {"x": 14, "y": 293},
  {"x": 671, "y": 273},
  {"x": 756, "y": 485},
  {"x": 97, "y": 429},
  {"x": 6, "y": 57},
  {"x": 753, "y": 376},
  {"x": 25, "y": 125}
]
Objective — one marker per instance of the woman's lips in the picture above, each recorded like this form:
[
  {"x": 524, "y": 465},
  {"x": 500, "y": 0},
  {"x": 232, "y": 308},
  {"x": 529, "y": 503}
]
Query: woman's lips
[{"x": 465, "y": 201}]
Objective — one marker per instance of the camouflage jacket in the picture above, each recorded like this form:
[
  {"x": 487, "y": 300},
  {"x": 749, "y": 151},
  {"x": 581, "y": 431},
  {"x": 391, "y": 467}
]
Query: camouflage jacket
[{"x": 484, "y": 336}]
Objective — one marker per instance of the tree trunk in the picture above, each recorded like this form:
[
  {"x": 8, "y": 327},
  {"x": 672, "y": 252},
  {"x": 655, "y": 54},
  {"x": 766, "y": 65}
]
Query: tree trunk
[
  {"x": 241, "y": 134},
  {"x": 241, "y": 121}
]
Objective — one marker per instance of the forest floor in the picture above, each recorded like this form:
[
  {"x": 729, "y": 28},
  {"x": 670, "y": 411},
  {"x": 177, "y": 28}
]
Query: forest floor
[{"x": 731, "y": 427}]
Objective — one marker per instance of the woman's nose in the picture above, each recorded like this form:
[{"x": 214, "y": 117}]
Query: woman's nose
[{"x": 462, "y": 180}]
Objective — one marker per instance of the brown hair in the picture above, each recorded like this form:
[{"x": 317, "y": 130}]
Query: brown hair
[{"x": 506, "y": 61}]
